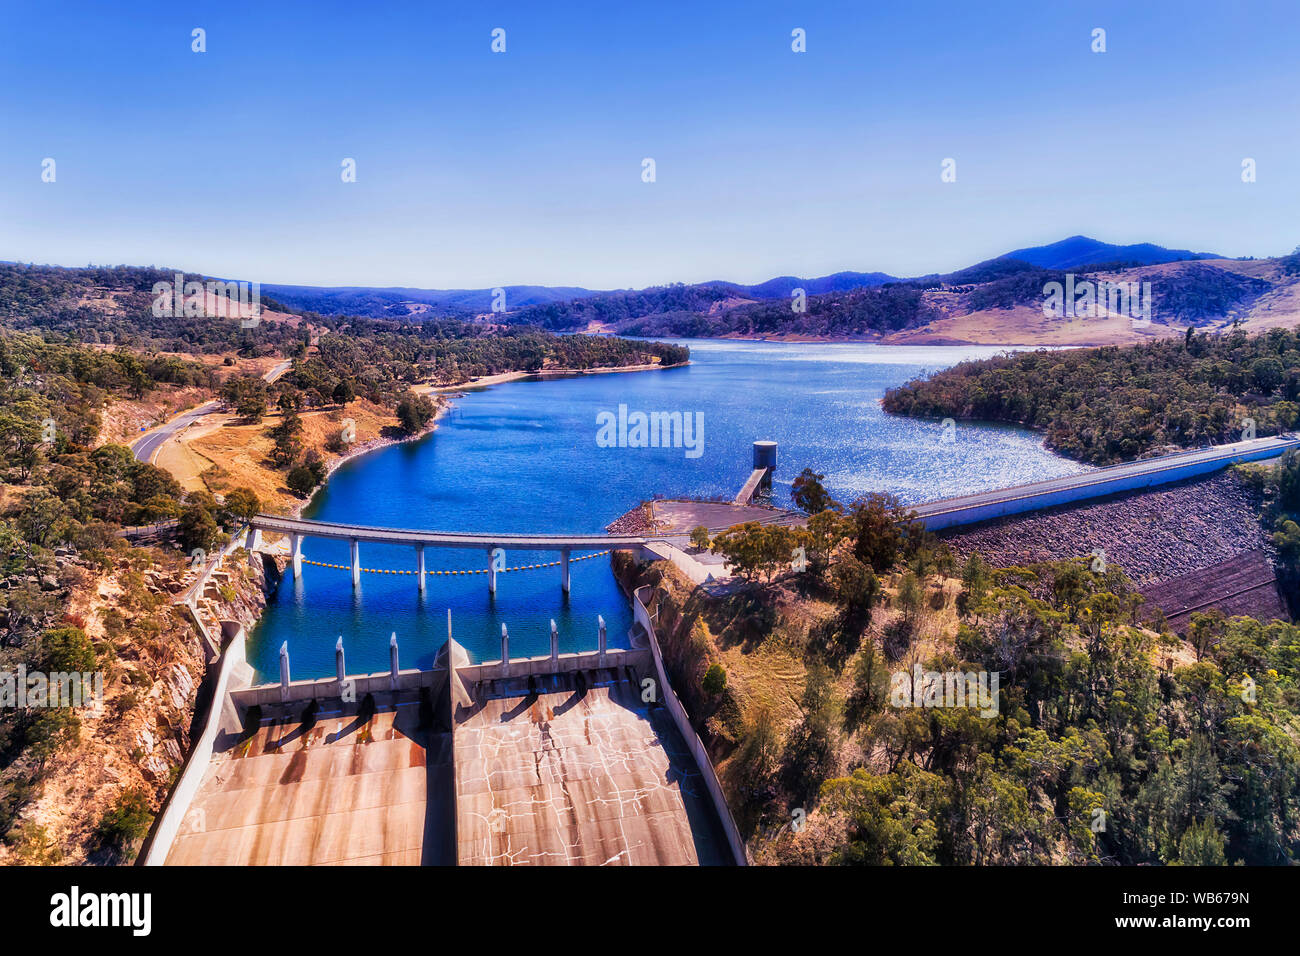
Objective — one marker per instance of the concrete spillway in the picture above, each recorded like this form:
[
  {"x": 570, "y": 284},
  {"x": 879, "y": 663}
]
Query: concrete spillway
[
  {"x": 340, "y": 786},
  {"x": 571, "y": 774},
  {"x": 574, "y": 759}
]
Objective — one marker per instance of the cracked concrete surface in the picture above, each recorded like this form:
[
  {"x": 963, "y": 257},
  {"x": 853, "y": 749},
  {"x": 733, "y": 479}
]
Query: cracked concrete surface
[{"x": 571, "y": 776}]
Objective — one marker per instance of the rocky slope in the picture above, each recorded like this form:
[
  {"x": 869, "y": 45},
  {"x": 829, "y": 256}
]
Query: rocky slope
[{"x": 153, "y": 658}]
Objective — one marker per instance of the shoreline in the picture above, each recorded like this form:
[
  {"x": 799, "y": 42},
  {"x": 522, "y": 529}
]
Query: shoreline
[
  {"x": 365, "y": 448},
  {"x": 939, "y": 341},
  {"x": 482, "y": 382},
  {"x": 500, "y": 378}
]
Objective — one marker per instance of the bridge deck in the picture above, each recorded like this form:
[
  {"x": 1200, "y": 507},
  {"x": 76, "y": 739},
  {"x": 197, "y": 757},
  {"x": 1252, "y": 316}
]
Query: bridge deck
[
  {"x": 746, "y": 494},
  {"x": 1093, "y": 483},
  {"x": 444, "y": 539}
]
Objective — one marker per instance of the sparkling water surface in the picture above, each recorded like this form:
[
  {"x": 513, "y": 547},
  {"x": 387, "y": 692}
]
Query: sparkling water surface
[{"x": 523, "y": 457}]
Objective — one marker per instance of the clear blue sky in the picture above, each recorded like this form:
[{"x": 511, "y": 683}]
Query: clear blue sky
[{"x": 480, "y": 169}]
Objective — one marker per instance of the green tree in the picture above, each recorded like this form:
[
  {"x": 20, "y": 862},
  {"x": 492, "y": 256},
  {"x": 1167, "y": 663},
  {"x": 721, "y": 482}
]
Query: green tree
[
  {"x": 911, "y": 599},
  {"x": 976, "y": 579},
  {"x": 889, "y": 816},
  {"x": 196, "y": 528},
  {"x": 882, "y": 528},
  {"x": 854, "y": 584},
  {"x": 344, "y": 392},
  {"x": 1202, "y": 845},
  {"x": 414, "y": 412},
  {"x": 242, "y": 504},
  {"x": 41, "y": 517},
  {"x": 124, "y": 822},
  {"x": 66, "y": 649},
  {"x": 809, "y": 494},
  {"x": 715, "y": 680},
  {"x": 301, "y": 480},
  {"x": 287, "y": 444},
  {"x": 1267, "y": 373}
]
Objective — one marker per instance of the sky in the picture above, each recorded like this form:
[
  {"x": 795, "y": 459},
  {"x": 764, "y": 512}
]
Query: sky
[{"x": 477, "y": 169}]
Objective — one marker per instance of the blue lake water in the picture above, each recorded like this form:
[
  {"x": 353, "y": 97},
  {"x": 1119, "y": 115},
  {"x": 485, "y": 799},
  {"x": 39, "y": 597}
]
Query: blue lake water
[{"x": 523, "y": 456}]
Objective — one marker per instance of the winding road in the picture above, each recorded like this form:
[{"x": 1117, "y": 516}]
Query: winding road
[{"x": 146, "y": 447}]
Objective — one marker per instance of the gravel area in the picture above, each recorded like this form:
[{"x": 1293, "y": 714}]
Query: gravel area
[{"x": 635, "y": 521}]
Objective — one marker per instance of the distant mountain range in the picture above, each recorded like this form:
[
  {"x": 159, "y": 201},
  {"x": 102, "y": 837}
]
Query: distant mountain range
[
  {"x": 1079, "y": 251},
  {"x": 1000, "y": 301},
  {"x": 396, "y": 301},
  {"x": 390, "y": 301}
]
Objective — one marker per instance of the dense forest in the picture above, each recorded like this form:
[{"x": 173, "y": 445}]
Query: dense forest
[
  {"x": 114, "y": 306},
  {"x": 1105, "y": 748},
  {"x": 617, "y": 308},
  {"x": 711, "y": 310},
  {"x": 380, "y": 354},
  {"x": 1201, "y": 293},
  {"x": 858, "y": 312},
  {"x": 1105, "y": 405}
]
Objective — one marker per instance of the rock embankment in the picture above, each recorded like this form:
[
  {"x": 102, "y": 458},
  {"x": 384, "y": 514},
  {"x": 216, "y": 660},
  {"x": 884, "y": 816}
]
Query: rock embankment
[
  {"x": 1153, "y": 535},
  {"x": 636, "y": 521}
]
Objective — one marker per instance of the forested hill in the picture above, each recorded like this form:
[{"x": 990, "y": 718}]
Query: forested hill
[
  {"x": 999, "y": 301},
  {"x": 114, "y": 306},
  {"x": 1111, "y": 404}
]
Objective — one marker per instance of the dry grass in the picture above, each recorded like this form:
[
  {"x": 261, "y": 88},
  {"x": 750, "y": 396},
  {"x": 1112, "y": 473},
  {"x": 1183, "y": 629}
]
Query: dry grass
[
  {"x": 120, "y": 422},
  {"x": 226, "y": 452}
]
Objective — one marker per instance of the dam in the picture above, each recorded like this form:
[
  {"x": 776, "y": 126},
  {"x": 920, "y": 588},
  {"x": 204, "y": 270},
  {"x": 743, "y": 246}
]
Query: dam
[
  {"x": 574, "y": 759},
  {"x": 584, "y": 757}
]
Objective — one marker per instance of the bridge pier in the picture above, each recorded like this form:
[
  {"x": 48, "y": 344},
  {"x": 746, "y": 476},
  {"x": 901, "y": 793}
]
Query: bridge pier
[
  {"x": 492, "y": 573},
  {"x": 505, "y": 651},
  {"x": 356, "y": 562},
  {"x": 392, "y": 661},
  {"x": 419, "y": 563},
  {"x": 555, "y": 644},
  {"x": 339, "y": 667},
  {"x": 296, "y": 549},
  {"x": 255, "y": 539},
  {"x": 564, "y": 570},
  {"x": 284, "y": 671},
  {"x": 600, "y": 641}
]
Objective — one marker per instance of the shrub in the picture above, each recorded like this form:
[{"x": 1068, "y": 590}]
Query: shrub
[
  {"x": 715, "y": 680},
  {"x": 126, "y": 821}
]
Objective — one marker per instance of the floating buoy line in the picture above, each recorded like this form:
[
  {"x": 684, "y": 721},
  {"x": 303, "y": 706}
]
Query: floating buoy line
[{"x": 522, "y": 567}]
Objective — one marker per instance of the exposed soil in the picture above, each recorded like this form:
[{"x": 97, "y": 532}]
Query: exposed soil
[{"x": 136, "y": 740}]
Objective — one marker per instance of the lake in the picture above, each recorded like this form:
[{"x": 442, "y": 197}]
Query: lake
[{"x": 523, "y": 456}]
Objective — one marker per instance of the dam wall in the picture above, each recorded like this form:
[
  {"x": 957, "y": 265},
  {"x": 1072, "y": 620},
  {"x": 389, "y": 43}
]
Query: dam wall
[
  {"x": 230, "y": 668},
  {"x": 972, "y": 509},
  {"x": 678, "y": 713},
  {"x": 374, "y": 768}
]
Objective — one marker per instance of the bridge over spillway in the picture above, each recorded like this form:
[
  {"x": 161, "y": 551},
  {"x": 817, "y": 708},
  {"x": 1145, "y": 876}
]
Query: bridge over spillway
[{"x": 494, "y": 546}]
